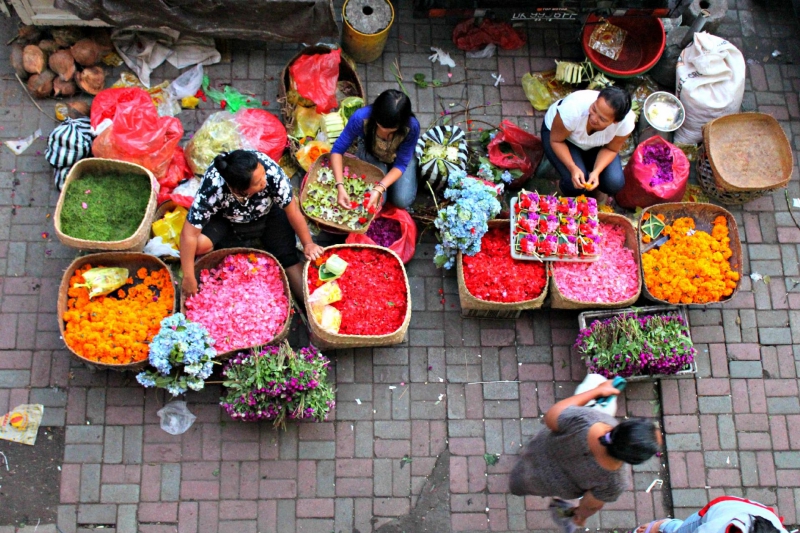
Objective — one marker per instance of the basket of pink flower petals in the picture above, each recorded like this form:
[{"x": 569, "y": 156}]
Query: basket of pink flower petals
[
  {"x": 243, "y": 299},
  {"x": 613, "y": 281}
]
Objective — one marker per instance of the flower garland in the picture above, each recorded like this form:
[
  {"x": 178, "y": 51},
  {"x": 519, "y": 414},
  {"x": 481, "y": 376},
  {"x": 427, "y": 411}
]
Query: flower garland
[
  {"x": 494, "y": 276},
  {"x": 627, "y": 345},
  {"x": 242, "y": 302},
  {"x": 614, "y": 277},
  {"x": 116, "y": 329},
  {"x": 276, "y": 383},
  {"x": 374, "y": 293},
  {"x": 692, "y": 266},
  {"x": 463, "y": 223}
]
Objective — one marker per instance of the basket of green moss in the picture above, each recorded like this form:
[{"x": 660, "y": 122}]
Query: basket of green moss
[{"x": 106, "y": 205}]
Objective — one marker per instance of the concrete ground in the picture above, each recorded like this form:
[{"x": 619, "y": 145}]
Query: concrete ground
[{"x": 734, "y": 429}]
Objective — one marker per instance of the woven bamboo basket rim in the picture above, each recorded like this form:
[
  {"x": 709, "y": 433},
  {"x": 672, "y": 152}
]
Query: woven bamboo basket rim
[
  {"x": 559, "y": 301},
  {"x": 373, "y": 175},
  {"x": 130, "y": 260},
  {"x": 163, "y": 208},
  {"x": 336, "y": 340},
  {"x": 708, "y": 182},
  {"x": 748, "y": 152},
  {"x": 468, "y": 301},
  {"x": 703, "y": 215},
  {"x": 135, "y": 242},
  {"x": 214, "y": 258}
]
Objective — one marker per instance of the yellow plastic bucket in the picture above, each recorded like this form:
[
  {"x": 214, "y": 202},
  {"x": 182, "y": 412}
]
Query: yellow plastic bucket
[{"x": 363, "y": 47}]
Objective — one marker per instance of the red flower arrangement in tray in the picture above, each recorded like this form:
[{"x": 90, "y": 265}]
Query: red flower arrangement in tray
[
  {"x": 494, "y": 276},
  {"x": 374, "y": 292}
]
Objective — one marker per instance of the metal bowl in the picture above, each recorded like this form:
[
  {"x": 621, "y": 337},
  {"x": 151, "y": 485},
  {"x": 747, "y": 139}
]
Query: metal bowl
[{"x": 658, "y": 111}]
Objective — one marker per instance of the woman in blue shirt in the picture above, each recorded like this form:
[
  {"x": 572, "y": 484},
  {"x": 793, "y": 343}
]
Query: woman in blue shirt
[{"x": 387, "y": 134}]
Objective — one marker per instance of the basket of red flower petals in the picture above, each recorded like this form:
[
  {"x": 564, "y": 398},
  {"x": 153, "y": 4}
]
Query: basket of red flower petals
[
  {"x": 492, "y": 284},
  {"x": 370, "y": 301},
  {"x": 243, "y": 299},
  {"x": 611, "y": 282}
]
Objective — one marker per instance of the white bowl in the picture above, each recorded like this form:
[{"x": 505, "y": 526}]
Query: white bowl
[{"x": 664, "y": 111}]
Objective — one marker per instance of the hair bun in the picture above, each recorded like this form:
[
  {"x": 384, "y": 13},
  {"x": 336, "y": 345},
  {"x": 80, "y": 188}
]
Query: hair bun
[{"x": 221, "y": 161}]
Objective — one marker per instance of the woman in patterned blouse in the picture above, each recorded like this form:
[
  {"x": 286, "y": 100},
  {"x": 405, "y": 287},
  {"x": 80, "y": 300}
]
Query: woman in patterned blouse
[{"x": 244, "y": 198}]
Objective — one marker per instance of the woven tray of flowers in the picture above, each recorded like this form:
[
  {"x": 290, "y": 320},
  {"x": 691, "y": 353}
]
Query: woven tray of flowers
[
  {"x": 318, "y": 195},
  {"x": 243, "y": 300},
  {"x": 613, "y": 281},
  {"x": 113, "y": 330},
  {"x": 369, "y": 305},
  {"x": 690, "y": 254}
]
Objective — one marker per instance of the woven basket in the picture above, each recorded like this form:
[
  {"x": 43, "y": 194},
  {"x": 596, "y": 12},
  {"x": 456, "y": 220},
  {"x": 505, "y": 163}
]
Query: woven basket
[
  {"x": 559, "y": 301},
  {"x": 748, "y": 152},
  {"x": 324, "y": 340},
  {"x": 703, "y": 215},
  {"x": 133, "y": 261},
  {"x": 164, "y": 208},
  {"x": 211, "y": 260},
  {"x": 705, "y": 177},
  {"x": 476, "y": 308},
  {"x": 373, "y": 175},
  {"x": 134, "y": 243}
]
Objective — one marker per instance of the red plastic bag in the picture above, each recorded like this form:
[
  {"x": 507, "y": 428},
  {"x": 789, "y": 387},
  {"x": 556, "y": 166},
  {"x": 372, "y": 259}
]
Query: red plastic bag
[
  {"x": 104, "y": 105},
  {"x": 405, "y": 245},
  {"x": 643, "y": 185},
  {"x": 315, "y": 77},
  {"x": 514, "y": 148},
  {"x": 137, "y": 134},
  {"x": 468, "y": 37},
  {"x": 263, "y": 130},
  {"x": 177, "y": 171}
]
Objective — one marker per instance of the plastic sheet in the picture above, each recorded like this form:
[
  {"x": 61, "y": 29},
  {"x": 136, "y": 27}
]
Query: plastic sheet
[{"x": 176, "y": 418}]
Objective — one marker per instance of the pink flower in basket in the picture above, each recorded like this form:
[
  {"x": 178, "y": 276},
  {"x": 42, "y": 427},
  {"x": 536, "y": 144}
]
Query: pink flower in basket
[
  {"x": 548, "y": 224},
  {"x": 548, "y": 205},
  {"x": 569, "y": 226},
  {"x": 547, "y": 245}
]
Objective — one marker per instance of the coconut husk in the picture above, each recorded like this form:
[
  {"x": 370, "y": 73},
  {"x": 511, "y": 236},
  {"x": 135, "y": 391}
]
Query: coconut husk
[
  {"x": 92, "y": 80},
  {"x": 86, "y": 52},
  {"x": 62, "y": 64},
  {"x": 29, "y": 34},
  {"x": 64, "y": 88},
  {"x": 34, "y": 60},
  {"x": 16, "y": 61},
  {"x": 78, "y": 109},
  {"x": 41, "y": 85},
  {"x": 49, "y": 46},
  {"x": 66, "y": 36},
  {"x": 102, "y": 39}
]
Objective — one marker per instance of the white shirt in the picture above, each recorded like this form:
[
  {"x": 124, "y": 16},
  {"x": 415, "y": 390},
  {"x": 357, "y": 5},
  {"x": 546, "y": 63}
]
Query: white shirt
[{"x": 574, "y": 112}]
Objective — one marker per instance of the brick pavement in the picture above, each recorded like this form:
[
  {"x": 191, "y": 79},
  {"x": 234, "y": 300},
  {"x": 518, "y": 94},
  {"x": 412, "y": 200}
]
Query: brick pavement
[{"x": 735, "y": 429}]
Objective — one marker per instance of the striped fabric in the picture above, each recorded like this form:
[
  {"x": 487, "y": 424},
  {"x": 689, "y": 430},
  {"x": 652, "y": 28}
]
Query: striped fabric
[{"x": 68, "y": 143}]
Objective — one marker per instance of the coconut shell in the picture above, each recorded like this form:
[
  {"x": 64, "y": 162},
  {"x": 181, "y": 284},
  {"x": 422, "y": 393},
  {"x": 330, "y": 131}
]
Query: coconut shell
[
  {"x": 64, "y": 88},
  {"x": 41, "y": 85},
  {"x": 29, "y": 34},
  {"x": 101, "y": 37},
  {"x": 16, "y": 61},
  {"x": 91, "y": 80},
  {"x": 62, "y": 64},
  {"x": 34, "y": 60},
  {"x": 66, "y": 36},
  {"x": 86, "y": 52},
  {"x": 78, "y": 109},
  {"x": 48, "y": 46}
]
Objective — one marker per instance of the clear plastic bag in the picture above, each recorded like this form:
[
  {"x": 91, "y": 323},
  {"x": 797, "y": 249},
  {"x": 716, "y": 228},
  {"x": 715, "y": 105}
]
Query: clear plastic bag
[
  {"x": 310, "y": 152},
  {"x": 306, "y": 122},
  {"x": 176, "y": 418},
  {"x": 219, "y": 133},
  {"x": 542, "y": 89},
  {"x": 608, "y": 40},
  {"x": 187, "y": 84},
  {"x": 103, "y": 280}
]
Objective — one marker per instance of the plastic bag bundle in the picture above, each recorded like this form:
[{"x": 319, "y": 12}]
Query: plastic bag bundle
[
  {"x": 219, "y": 133},
  {"x": 315, "y": 77},
  {"x": 657, "y": 172},
  {"x": 310, "y": 152},
  {"x": 263, "y": 131},
  {"x": 176, "y": 418},
  {"x": 327, "y": 316},
  {"x": 103, "y": 280},
  {"x": 67, "y": 144},
  {"x": 406, "y": 245},
  {"x": 542, "y": 89}
]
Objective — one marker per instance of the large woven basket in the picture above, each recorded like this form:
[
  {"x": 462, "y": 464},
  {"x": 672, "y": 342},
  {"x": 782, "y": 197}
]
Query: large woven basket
[
  {"x": 133, "y": 261},
  {"x": 372, "y": 175},
  {"x": 324, "y": 340},
  {"x": 559, "y": 301},
  {"x": 216, "y": 257},
  {"x": 748, "y": 152},
  {"x": 706, "y": 179},
  {"x": 134, "y": 243},
  {"x": 476, "y": 308},
  {"x": 703, "y": 215}
]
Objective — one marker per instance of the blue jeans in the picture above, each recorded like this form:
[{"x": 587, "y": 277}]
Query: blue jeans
[
  {"x": 403, "y": 191},
  {"x": 689, "y": 525},
  {"x": 612, "y": 178}
]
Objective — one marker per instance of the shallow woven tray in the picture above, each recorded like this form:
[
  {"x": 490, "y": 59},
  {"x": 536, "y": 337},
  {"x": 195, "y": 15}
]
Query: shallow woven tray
[
  {"x": 323, "y": 340},
  {"x": 373, "y": 175},
  {"x": 748, "y": 152},
  {"x": 134, "y": 243},
  {"x": 703, "y": 215},
  {"x": 707, "y": 180},
  {"x": 133, "y": 261},
  {"x": 559, "y": 301},
  {"x": 211, "y": 260}
]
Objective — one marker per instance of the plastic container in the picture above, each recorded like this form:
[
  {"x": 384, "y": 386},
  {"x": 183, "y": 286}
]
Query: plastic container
[
  {"x": 362, "y": 46},
  {"x": 643, "y": 46},
  {"x": 521, "y": 257}
]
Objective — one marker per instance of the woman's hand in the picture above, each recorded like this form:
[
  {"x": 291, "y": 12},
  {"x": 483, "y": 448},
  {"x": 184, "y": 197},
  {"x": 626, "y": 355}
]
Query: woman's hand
[
  {"x": 189, "y": 283},
  {"x": 374, "y": 199},
  {"x": 606, "y": 389},
  {"x": 343, "y": 198},
  {"x": 578, "y": 179},
  {"x": 593, "y": 181},
  {"x": 312, "y": 251}
]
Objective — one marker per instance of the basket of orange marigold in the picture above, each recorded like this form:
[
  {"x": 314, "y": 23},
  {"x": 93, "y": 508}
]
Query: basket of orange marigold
[
  {"x": 114, "y": 331},
  {"x": 697, "y": 258}
]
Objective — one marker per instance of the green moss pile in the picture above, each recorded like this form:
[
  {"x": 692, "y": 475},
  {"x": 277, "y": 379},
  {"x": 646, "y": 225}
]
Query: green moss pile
[{"x": 115, "y": 206}]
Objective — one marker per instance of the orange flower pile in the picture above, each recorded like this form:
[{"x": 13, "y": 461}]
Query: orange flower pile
[
  {"x": 692, "y": 266},
  {"x": 116, "y": 329}
]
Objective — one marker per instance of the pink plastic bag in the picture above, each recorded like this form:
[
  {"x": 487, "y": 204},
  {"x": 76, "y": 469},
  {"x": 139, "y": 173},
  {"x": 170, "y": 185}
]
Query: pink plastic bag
[
  {"x": 514, "y": 148},
  {"x": 316, "y": 76},
  {"x": 405, "y": 245},
  {"x": 644, "y": 185},
  {"x": 263, "y": 130}
]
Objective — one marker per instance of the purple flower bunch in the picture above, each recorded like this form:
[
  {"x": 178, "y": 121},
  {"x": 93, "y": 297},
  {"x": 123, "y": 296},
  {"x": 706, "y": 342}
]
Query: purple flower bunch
[
  {"x": 628, "y": 345},
  {"x": 660, "y": 155},
  {"x": 276, "y": 383},
  {"x": 384, "y": 231}
]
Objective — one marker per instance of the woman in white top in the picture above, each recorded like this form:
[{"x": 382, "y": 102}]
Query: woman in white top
[{"x": 586, "y": 130}]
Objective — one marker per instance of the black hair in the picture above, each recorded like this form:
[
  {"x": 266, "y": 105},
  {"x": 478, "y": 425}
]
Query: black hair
[
  {"x": 237, "y": 168},
  {"x": 391, "y": 109},
  {"x": 632, "y": 441},
  {"x": 617, "y": 99},
  {"x": 761, "y": 525}
]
